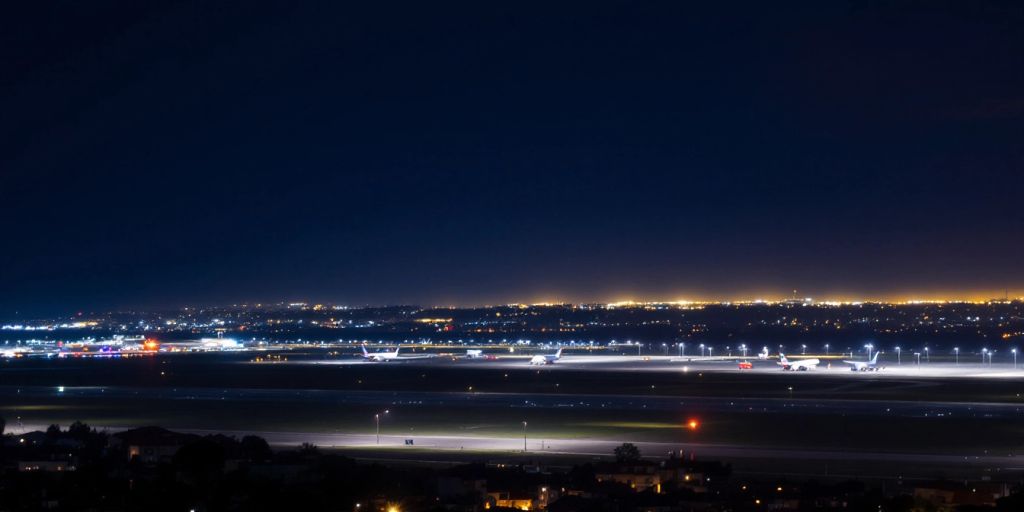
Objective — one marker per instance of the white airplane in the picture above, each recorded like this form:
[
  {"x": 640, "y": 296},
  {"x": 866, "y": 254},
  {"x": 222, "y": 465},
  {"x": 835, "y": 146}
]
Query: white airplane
[
  {"x": 763, "y": 355},
  {"x": 380, "y": 357},
  {"x": 865, "y": 366},
  {"x": 383, "y": 357},
  {"x": 546, "y": 358},
  {"x": 799, "y": 365}
]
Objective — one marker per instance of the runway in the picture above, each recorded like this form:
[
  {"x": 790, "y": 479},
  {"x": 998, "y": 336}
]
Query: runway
[
  {"x": 455, "y": 449},
  {"x": 830, "y": 365},
  {"x": 555, "y": 401}
]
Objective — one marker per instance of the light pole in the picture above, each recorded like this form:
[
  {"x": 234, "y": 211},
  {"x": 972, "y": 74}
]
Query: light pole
[
  {"x": 983, "y": 352},
  {"x": 803, "y": 350},
  {"x": 927, "y": 355},
  {"x": 376, "y": 419},
  {"x": 1014, "y": 351},
  {"x": 682, "y": 349},
  {"x": 918, "y": 356},
  {"x": 743, "y": 347},
  {"x": 702, "y": 350},
  {"x": 826, "y": 349},
  {"x": 869, "y": 347},
  {"x": 898, "y": 360},
  {"x": 524, "y": 436},
  {"x": 956, "y": 354},
  {"x": 711, "y": 349}
]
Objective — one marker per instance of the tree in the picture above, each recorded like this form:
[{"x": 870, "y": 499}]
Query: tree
[
  {"x": 256, "y": 449},
  {"x": 200, "y": 461},
  {"x": 627, "y": 452},
  {"x": 79, "y": 431},
  {"x": 308, "y": 449},
  {"x": 53, "y": 431}
]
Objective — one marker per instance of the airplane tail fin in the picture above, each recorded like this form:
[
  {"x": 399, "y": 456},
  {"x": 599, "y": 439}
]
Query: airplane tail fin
[
  {"x": 397, "y": 349},
  {"x": 874, "y": 359},
  {"x": 365, "y": 353},
  {"x": 782, "y": 358},
  {"x": 558, "y": 354}
]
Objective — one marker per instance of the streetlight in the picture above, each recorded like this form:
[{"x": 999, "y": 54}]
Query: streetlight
[
  {"x": 702, "y": 350},
  {"x": 898, "y": 360},
  {"x": 711, "y": 349},
  {"x": 826, "y": 349},
  {"x": 927, "y": 355},
  {"x": 983, "y": 352},
  {"x": 743, "y": 347},
  {"x": 956, "y": 353},
  {"x": 918, "y": 356},
  {"x": 869, "y": 347},
  {"x": 682, "y": 349},
  {"x": 803, "y": 350},
  {"x": 1014, "y": 351},
  {"x": 376, "y": 419},
  {"x": 524, "y": 436}
]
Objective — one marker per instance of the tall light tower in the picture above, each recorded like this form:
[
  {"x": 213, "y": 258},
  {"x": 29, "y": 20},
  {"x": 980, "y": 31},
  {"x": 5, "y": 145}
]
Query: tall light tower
[
  {"x": 898, "y": 360},
  {"x": 376, "y": 419},
  {"x": 524, "y": 436},
  {"x": 956, "y": 354}
]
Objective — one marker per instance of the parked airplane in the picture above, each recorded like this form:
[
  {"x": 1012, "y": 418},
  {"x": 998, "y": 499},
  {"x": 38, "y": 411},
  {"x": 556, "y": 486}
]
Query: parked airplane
[
  {"x": 799, "y": 365},
  {"x": 865, "y": 366},
  {"x": 763, "y": 355},
  {"x": 546, "y": 358},
  {"x": 383, "y": 357}
]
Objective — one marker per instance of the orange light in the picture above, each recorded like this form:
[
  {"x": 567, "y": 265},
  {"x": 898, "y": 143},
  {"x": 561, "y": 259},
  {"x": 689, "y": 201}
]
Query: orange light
[{"x": 692, "y": 424}]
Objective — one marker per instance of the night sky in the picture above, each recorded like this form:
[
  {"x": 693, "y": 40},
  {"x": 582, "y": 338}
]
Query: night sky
[{"x": 160, "y": 154}]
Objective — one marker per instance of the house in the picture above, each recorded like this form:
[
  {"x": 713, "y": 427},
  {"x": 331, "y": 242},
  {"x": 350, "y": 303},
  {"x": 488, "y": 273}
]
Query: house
[{"x": 151, "y": 445}]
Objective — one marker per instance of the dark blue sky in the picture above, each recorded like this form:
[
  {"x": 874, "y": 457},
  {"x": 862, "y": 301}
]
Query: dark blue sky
[{"x": 169, "y": 153}]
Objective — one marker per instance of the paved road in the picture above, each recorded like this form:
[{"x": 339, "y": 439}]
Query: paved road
[
  {"x": 604, "y": 447},
  {"x": 968, "y": 368},
  {"x": 334, "y": 398}
]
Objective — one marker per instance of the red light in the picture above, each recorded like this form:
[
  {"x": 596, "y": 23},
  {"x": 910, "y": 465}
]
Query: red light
[{"x": 692, "y": 424}]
